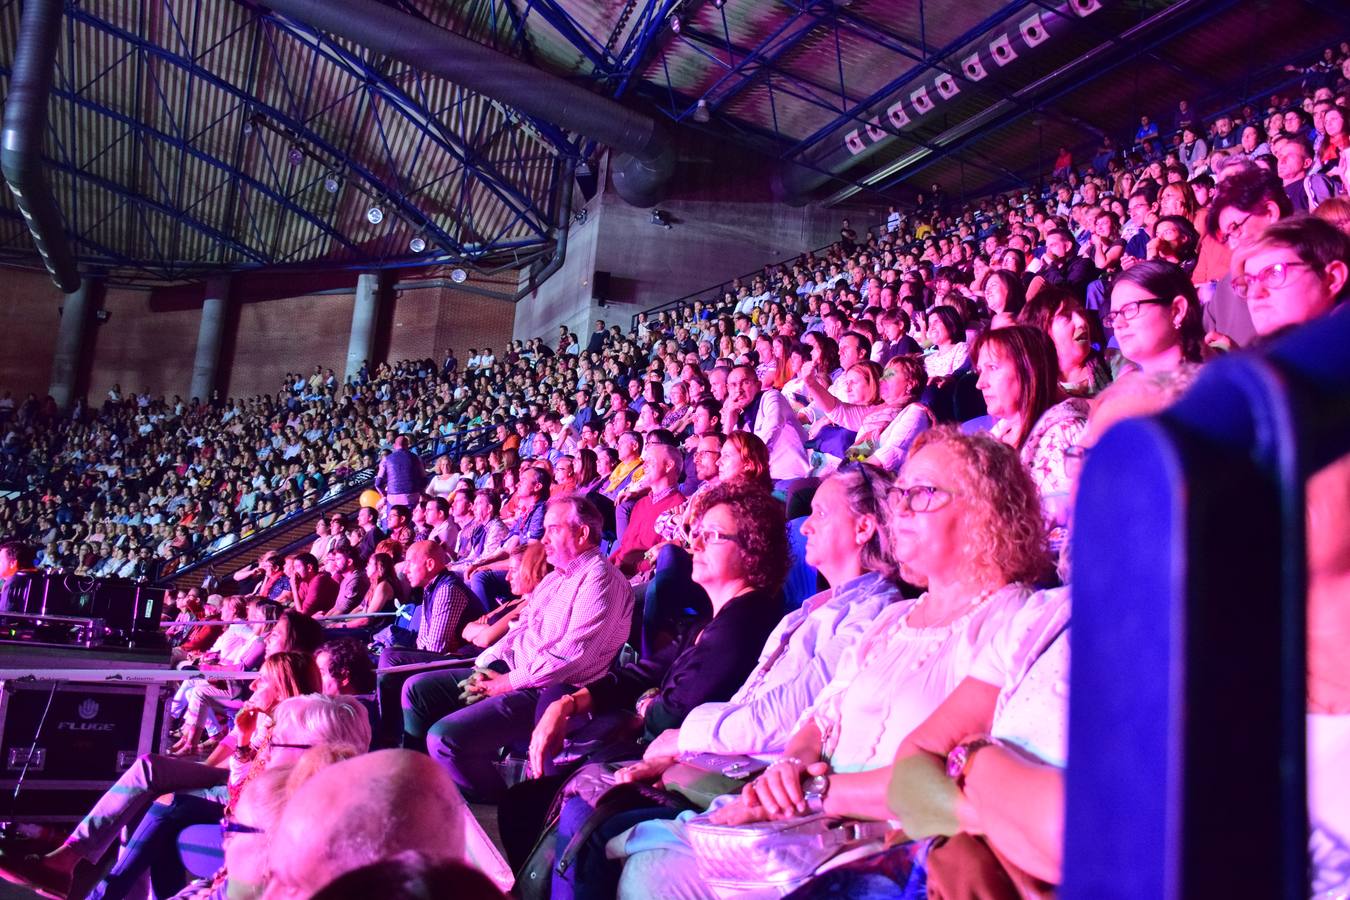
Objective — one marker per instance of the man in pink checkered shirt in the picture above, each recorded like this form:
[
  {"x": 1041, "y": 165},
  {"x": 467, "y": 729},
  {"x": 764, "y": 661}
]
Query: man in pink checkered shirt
[{"x": 579, "y": 617}]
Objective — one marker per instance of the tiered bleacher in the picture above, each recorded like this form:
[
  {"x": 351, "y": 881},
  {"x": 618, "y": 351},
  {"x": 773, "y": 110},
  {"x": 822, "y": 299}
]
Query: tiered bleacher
[{"x": 763, "y": 594}]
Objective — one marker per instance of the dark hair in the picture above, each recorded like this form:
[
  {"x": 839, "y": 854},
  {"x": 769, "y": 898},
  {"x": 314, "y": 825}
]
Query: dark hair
[
  {"x": 864, "y": 342},
  {"x": 1166, "y": 280},
  {"x": 1031, "y": 353},
  {"x": 307, "y": 559},
  {"x": 762, "y": 534},
  {"x": 302, "y": 634},
  {"x": 1017, "y": 291},
  {"x": 1314, "y": 240},
  {"x": 350, "y": 663},
  {"x": 951, "y": 320},
  {"x": 1247, "y": 189}
]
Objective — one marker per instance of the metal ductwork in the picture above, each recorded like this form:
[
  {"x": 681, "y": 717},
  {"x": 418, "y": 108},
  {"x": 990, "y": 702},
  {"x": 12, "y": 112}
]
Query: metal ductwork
[
  {"x": 25, "y": 129},
  {"x": 645, "y": 159},
  {"x": 566, "y": 188}
]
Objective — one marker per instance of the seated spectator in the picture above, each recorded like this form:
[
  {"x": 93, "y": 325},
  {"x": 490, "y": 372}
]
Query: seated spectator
[
  {"x": 568, "y": 635},
  {"x": 744, "y": 456},
  {"x": 370, "y": 808},
  {"x": 947, "y": 334},
  {"x": 1294, "y": 272},
  {"x": 1156, "y": 317},
  {"x": 486, "y": 576},
  {"x": 1018, "y": 375},
  {"x": 529, "y": 565},
  {"x": 1084, "y": 368},
  {"x": 345, "y": 667},
  {"x": 662, "y": 465},
  {"x": 887, "y": 687},
  {"x": 903, "y": 382},
  {"x": 342, "y": 566},
  {"x": 1004, "y": 295},
  {"x": 313, "y": 592},
  {"x": 768, "y": 416}
]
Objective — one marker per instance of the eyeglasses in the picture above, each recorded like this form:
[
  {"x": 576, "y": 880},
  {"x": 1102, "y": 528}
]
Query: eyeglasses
[
  {"x": 229, "y": 826},
  {"x": 1272, "y": 276},
  {"x": 922, "y": 498},
  {"x": 1235, "y": 230},
  {"x": 1129, "y": 311},
  {"x": 710, "y": 536},
  {"x": 1075, "y": 457}
]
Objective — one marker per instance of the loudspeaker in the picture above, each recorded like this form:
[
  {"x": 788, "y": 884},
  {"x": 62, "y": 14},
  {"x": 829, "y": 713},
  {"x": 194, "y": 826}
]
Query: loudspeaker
[{"x": 62, "y": 744}]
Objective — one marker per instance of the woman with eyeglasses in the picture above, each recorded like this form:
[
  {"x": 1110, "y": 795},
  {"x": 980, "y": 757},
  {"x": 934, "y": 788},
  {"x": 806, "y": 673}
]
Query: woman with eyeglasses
[
  {"x": 1019, "y": 377},
  {"x": 965, "y": 521},
  {"x": 740, "y": 559},
  {"x": 1296, "y": 271},
  {"x": 1156, "y": 317},
  {"x": 71, "y": 869}
]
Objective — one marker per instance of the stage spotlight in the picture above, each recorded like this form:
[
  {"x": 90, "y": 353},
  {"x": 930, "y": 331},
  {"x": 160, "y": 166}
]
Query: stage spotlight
[
  {"x": 374, "y": 215},
  {"x": 417, "y": 245},
  {"x": 331, "y": 183},
  {"x": 718, "y": 4},
  {"x": 701, "y": 111},
  {"x": 459, "y": 276},
  {"x": 676, "y": 23},
  {"x": 295, "y": 155}
]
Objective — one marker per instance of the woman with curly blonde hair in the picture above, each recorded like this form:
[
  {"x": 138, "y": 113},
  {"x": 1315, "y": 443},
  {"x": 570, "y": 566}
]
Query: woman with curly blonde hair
[{"x": 966, "y": 522}]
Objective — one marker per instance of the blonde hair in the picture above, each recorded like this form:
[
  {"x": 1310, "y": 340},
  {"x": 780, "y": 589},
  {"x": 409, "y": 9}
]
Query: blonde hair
[
  {"x": 1005, "y": 531},
  {"x": 323, "y": 719}
]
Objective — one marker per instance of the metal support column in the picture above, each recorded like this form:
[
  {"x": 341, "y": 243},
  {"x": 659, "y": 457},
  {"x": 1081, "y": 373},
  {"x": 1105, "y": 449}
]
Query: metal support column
[
  {"x": 215, "y": 316},
  {"x": 70, "y": 341},
  {"x": 365, "y": 317}
]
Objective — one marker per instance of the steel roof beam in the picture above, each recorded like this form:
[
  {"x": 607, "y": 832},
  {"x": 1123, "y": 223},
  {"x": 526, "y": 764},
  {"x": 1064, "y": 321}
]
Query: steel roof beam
[
  {"x": 405, "y": 210},
  {"x": 137, "y": 125},
  {"x": 421, "y": 116},
  {"x": 1190, "y": 12}
]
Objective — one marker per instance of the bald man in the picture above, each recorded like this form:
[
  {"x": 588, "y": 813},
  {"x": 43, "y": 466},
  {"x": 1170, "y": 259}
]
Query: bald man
[{"x": 367, "y": 809}]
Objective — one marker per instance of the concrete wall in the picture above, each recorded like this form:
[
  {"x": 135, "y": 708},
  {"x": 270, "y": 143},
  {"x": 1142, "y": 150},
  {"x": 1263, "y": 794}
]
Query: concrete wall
[
  {"x": 150, "y": 337},
  {"x": 724, "y": 223}
]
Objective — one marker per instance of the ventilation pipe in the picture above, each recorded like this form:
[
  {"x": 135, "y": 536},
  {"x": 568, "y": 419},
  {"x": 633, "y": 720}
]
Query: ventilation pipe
[
  {"x": 645, "y": 158},
  {"x": 25, "y": 129},
  {"x": 566, "y": 188}
]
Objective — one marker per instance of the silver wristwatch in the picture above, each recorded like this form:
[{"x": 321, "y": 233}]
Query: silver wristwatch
[{"x": 814, "y": 790}]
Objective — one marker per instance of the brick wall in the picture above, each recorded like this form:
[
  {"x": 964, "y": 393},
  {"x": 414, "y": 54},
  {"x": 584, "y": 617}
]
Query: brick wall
[
  {"x": 426, "y": 321},
  {"x": 28, "y": 321},
  {"x": 150, "y": 338}
]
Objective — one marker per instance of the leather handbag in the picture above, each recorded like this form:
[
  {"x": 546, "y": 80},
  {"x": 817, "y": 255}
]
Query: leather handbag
[
  {"x": 701, "y": 778},
  {"x": 771, "y": 859}
]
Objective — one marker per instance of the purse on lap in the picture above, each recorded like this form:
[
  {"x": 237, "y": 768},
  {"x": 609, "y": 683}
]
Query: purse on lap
[{"x": 765, "y": 860}]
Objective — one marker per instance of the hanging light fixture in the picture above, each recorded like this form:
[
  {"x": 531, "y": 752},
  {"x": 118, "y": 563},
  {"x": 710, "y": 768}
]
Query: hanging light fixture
[
  {"x": 374, "y": 215},
  {"x": 459, "y": 276},
  {"x": 331, "y": 183},
  {"x": 295, "y": 155},
  {"x": 700, "y": 113},
  {"x": 417, "y": 245}
]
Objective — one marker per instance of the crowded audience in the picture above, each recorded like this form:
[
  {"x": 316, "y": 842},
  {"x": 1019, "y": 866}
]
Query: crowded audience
[{"x": 761, "y": 564}]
